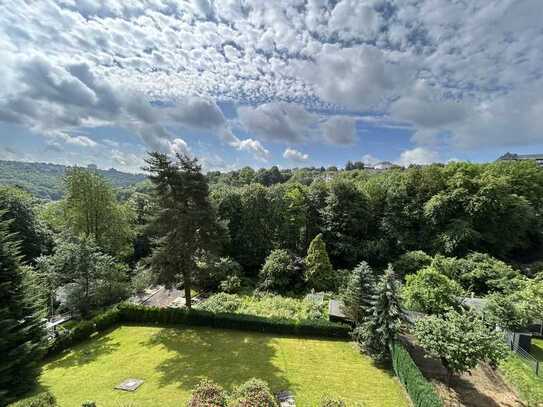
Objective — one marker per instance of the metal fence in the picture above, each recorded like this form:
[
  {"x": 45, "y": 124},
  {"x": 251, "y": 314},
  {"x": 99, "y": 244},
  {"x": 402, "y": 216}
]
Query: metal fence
[{"x": 511, "y": 338}]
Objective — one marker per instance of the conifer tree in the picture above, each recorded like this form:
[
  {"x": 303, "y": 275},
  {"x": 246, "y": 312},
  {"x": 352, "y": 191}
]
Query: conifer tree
[
  {"x": 185, "y": 222},
  {"x": 383, "y": 323},
  {"x": 21, "y": 333},
  {"x": 318, "y": 273},
  {"x": 359, "y": 293}
]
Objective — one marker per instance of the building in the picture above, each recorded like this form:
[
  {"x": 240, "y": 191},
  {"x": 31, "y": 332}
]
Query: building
[{"x": 538, "y": 158}]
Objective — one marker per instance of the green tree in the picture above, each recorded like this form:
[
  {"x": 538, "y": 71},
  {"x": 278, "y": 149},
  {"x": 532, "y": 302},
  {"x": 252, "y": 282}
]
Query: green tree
[
  {"x": 88, "y": 277},
  {"x": 318, "y": 269},
  {"x": 359, "y": 293},
  {"x": 185, "y": 221},
  {"x": 431, "y": 292},
  {"x": 383, "y": 323},
  {"x": 30, "y": 231},
  {"x": 460, "y": 340},
  {"x": 278, "y": 272},
  {"x": 22, "y": 332},
  {"x": 91, "y": 209},
  {"x": 411, "y": 262}
]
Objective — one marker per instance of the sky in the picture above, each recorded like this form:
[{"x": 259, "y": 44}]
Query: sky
[{"x": 291, "y": 83}]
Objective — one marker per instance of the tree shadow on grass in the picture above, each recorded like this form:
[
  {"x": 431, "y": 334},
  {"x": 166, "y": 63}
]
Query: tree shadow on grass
[
  {"x": 229, "y": 358},
  {"x": 85, "y": 352}
]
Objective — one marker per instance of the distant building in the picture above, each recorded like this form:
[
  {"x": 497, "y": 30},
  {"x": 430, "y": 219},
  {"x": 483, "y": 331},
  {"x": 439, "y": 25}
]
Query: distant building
[
  {"x": 538, "y": 158},
  {"x": 383, "y": 165}
]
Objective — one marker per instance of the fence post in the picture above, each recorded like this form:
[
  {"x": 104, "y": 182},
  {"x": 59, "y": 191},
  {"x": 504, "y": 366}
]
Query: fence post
[{"x": 537, "y": 368}]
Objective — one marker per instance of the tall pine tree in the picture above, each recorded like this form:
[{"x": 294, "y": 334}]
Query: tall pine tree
[
  {"x": 359, "y": 293},
  {"x": 185, "y": 222},
  {"x": 382, "y": 324},
  {"x": 21, "y": 333}
]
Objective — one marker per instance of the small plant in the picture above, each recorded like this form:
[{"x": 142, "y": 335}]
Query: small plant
[
  {"x": 230, "y": 284},
  {"x": 208, "y": 394},
  {"x": 41, "y": 400},
  {"x": 328, "y": 401},
  {"x": 253, "y": 393},
  {"x": 88, "y": 403}
]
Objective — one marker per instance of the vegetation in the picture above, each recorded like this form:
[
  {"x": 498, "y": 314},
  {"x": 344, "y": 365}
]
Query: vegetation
[
  {"x": 268, "y": 305},
  {"x": 45, "y": 181},
  {"x": 279, "y": 273},
  {"x": 22, "y": 334},
  {"x": 523, "y": 379},
  {"x": 208, "y": 393},
  {"x": 431, "y": 292},
  {"x": 420, "y": 390},
  {"x": 359, "y": 293},
  {"x": 181, "y": 189},
  {"x": 319, "y": 274},
  {"x": 253, "y": 393},
  {"x": 381, "y": 326},
  {"x": 174, "y": 360},
  {"x": 460, "y": 340}
]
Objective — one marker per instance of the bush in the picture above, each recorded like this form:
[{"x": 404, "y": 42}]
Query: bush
[
  {"x": 327, "y": 401},
  {"x": 142, "y": 279},
  {"x": 208, "y": 394},
  {"x": 88, "y": 403},
  {"x": 211, "y": 271},
  {"x": 41, "y": 400},
  {"x": 319, "y": 274},
  {"x": 278, "y": 272},
  {"x": 221, "y": 302},
  {"x": 253, "y": 393},
  {"x": 421, "y": 392},
  {"x": 231, "y": 284},
  {"x": 431, "y": 292}
]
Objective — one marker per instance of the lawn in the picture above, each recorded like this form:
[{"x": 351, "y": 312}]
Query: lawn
[
  {"x": 523, "y": 378},
  {"x": 537, "y": 349},
  {"x": 173, "y": 360}
]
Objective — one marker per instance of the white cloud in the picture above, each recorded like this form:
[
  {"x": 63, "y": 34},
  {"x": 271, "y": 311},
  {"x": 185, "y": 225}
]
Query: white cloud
[
  {"x": 179, "y": 146},
  {"x": 295, "y": 155},
  {"x": 418, "y": 155}
]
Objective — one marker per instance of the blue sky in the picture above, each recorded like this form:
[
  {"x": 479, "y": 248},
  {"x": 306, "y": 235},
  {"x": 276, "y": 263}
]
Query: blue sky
[{"x": 288, "y": 83}]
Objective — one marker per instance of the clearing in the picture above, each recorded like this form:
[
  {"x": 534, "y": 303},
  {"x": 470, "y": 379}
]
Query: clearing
[{"x": 172, "y": 361}]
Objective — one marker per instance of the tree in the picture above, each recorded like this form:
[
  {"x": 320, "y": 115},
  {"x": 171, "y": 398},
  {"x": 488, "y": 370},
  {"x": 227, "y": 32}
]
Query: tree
[
  {"x": 431, "y": 292},
  {"x": 411, "y": 262},
  {"x": 383, "y": 323},
  {"x": 88, "y": 277},
  {"x": 318, "y": 273},
  {"x": 22, "y": 332},
  {"x": 91, "y": 209},
  {"x": 359, "y": 293},
  {"x": 185, "y": 221},
  {"x": 30, "y": 232},
  {"x": 460, "y": 340},
  {"x": 278, "y": 272}
]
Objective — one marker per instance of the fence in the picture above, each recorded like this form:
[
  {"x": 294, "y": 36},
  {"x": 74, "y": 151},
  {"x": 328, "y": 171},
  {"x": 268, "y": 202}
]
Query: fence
[{"x": 517, "y": 345}]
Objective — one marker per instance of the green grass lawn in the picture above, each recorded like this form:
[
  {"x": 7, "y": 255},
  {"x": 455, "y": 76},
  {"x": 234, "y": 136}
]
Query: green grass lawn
[
  {"x": 173, "y": 360},
  {"x": 537, "y": 349}
]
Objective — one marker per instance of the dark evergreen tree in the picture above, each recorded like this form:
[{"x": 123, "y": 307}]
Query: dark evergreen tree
[
  {"x": 185, "y": 222},
  {"x": 21, "y": 331},
  {"x": 383, "y": 323},
  {"x": 359, "y": 293}
]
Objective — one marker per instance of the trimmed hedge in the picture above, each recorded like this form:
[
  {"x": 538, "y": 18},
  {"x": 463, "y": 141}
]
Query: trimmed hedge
[
  {"x": 184, "y": 316},
  {"x": 420, "y": 390},
  {"x": 84, "y": 330}
]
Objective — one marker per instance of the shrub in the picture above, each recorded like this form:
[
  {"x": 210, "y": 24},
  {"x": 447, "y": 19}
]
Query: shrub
[
  {"x": 230, "y": 285},
  {"x": 88, "y": 403},
  {"x": 221, "y": 302},
  {"x": 142, "y": 279},
  {"x": 277, "y": 274},
  {"x": 328, "y": 401},
  {"x": 41, "y": 400},
  {"x": 253, "y": 393},
  {"x": 431, "y": 292},
  {"x": 211, "y": 271},
  {"x": 421, "y": 392},
  {"x": 207, "y": 394}
]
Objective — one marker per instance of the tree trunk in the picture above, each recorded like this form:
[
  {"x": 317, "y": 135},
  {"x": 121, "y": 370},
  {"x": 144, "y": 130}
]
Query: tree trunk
[{"x": 187, "y": 286}]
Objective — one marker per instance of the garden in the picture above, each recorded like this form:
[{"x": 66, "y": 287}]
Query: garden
[{"x": 172, "y": 361}]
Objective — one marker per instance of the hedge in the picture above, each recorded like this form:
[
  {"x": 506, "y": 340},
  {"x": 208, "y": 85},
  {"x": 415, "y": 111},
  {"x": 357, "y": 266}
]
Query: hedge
[
  {"x": 184, "y": 316},
  {"x": 420, "y": 390},
  {"x": 129, "y": 313}
]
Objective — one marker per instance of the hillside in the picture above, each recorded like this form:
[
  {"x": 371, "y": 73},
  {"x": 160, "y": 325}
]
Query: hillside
[{"x": 45, "y": 180}]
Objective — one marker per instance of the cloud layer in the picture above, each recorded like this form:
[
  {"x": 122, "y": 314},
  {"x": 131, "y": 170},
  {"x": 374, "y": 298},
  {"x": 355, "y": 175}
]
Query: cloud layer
[{"x": 462, "y": 74}]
